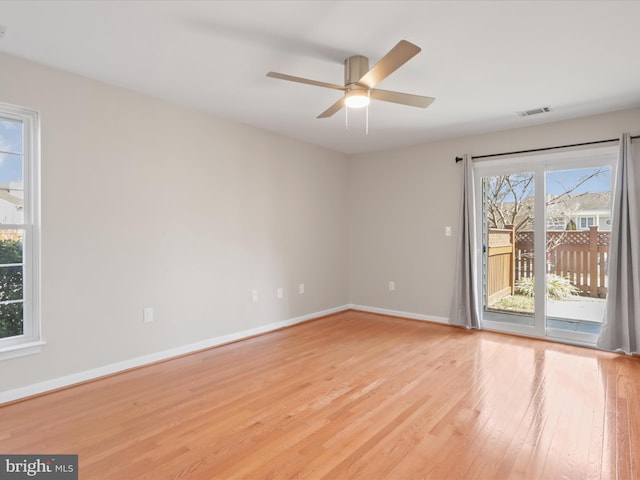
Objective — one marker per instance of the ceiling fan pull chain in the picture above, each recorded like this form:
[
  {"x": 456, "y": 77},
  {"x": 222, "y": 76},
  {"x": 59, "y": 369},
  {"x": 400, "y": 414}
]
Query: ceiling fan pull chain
[
  {"x": 346, "y": 119},
  {"x": 366, "y": 128}
]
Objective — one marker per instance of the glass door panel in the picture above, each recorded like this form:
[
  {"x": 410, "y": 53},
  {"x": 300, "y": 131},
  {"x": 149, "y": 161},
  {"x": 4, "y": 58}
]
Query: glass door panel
[
  {"x": 578, "y": 228},
  {"x": 508, "y": 249}
]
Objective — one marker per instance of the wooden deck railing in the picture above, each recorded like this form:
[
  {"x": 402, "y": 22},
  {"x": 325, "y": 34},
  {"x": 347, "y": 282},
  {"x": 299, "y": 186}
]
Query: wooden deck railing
[{"x": 579, "y": 255}]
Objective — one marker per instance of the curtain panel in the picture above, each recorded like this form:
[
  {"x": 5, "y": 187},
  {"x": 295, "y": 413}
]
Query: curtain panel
[
  {"x": 464, "y": 306},
  {"x": 621, "y": 325}
]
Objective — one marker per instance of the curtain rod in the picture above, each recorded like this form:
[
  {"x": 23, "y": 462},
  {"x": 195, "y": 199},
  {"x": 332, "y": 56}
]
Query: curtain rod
[{"x": 459, "y": 159}]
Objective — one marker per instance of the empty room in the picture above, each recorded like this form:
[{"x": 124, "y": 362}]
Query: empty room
[{"x": 319, "y": 240}]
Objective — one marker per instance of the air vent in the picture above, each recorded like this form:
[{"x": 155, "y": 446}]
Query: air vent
[{"x": 534, "y": 111}]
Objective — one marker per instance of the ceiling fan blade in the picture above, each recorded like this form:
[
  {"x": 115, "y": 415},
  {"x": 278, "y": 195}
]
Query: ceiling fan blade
[
  {"x": 397, "y": 56},
  {"x": 291, "y": 78},
  {"x": 402, "y": 98},
  {"x": 332, "y": 109}
]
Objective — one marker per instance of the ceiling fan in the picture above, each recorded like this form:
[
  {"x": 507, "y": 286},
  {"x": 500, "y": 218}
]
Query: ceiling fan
[{"x": 359, "y": 80}]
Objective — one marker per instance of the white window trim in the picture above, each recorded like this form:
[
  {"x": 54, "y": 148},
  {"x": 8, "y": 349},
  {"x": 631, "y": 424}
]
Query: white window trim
[{"x": 31, "y": 341}]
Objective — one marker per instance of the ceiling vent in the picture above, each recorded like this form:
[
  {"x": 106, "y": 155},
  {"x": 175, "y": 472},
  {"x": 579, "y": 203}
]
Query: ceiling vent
[{"x": 534, "y": 111}]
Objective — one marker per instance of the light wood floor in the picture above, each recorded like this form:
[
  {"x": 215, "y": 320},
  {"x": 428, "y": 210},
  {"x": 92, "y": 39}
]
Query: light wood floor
[{"x": 354, "y": 395}]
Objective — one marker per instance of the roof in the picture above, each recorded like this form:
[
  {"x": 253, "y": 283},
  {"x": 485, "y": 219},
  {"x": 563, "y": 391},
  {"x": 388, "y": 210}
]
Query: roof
[
  {"x": 585, "y": 201},
  {"x": 7, "y": 197}
]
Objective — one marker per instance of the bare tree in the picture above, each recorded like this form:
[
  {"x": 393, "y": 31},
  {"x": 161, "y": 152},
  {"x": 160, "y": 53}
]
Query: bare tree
[{"x": 509, "y": 200}]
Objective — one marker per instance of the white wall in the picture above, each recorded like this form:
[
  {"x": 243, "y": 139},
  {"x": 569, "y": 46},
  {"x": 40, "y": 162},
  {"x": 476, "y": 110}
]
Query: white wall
[
  {"x": 149, "y": 204},
  {"x": 401, "y": 201}
]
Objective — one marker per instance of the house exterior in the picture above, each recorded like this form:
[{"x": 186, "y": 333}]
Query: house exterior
[
  {"x": 579, "y": 212},
  {"x": 11, "y": 208},
  {"x": 563, "y": 212}
]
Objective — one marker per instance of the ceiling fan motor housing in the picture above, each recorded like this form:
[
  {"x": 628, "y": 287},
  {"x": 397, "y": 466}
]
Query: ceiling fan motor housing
[{"x": 354, "y": 69}]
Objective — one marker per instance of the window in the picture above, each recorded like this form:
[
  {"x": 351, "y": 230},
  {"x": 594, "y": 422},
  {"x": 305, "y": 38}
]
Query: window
[
  {"x": 586, "y": 222},
  {"x": 557, "y": 223},
  {"x": 19, "y": 232}
]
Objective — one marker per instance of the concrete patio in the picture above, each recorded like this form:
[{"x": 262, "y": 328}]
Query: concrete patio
[
  {"x": 588, "y": 310},
  {"x": 577, "y": 315}
]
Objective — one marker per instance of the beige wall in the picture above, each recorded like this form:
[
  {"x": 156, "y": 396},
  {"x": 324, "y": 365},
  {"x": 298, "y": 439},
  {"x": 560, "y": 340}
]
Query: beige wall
[
  {"x": 148, "y": 204},
  {"x": 401, "y": 201}
]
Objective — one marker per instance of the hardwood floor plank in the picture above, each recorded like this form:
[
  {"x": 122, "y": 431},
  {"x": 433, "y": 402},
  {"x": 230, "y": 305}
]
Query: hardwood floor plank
[{"x": 353, "y": 395}]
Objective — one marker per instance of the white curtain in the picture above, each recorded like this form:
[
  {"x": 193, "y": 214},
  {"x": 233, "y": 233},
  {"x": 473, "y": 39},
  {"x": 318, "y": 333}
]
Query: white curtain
[
  {"x": 621, "y": 327},
  {"x": 464, "y": 306}
]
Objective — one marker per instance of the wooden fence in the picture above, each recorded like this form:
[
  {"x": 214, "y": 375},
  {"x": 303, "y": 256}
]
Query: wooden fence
[
  {"x": 579, "y": 255},
  {"x": 500, "y": 265}
]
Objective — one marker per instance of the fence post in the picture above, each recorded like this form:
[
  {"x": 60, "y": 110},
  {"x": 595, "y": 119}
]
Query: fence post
[
  {"x": 593, "y": 261},
  {"x": 512, "y": 258}
]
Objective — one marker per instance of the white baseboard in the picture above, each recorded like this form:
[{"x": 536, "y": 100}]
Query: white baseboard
[
  {"x": 397, "y": 313},
  {"x": 67, "y": 380}
]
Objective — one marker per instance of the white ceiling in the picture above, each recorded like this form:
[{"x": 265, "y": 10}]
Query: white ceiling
[{"x": 483, "y": 61}]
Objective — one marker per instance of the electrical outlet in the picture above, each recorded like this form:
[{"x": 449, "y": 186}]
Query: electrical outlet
[
  {"x": 447, "y": 231},
  {"x": 392, "y": 285},
  {"x": 301, "y": 288},
  {"x": 254, "y": 296},
  {"x": 279, "y": 293},
  {"x": 147, "y": 315}
]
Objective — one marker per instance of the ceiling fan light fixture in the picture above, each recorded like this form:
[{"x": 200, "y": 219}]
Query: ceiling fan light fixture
[{"x": 357, "y": 99}]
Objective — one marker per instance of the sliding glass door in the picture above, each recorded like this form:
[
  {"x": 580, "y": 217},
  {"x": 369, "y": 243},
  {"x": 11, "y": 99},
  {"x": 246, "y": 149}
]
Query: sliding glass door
[{"x": 543, "y": 230}]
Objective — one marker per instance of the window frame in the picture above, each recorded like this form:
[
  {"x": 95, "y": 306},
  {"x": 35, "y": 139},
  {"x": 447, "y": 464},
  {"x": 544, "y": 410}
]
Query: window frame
[{"x": 30, "y": 341}]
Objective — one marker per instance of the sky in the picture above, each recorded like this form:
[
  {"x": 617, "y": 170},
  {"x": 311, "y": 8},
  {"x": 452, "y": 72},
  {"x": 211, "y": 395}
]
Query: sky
[
  {"x": 559, "y": 182},
  {"x": 10, "y": 151}
]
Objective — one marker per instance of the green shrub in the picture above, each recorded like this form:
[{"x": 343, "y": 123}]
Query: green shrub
[
  {"x": 526, "y": 286},
  {"x": 558, "y": 288},
  {"x": 11, "y": 285}
]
